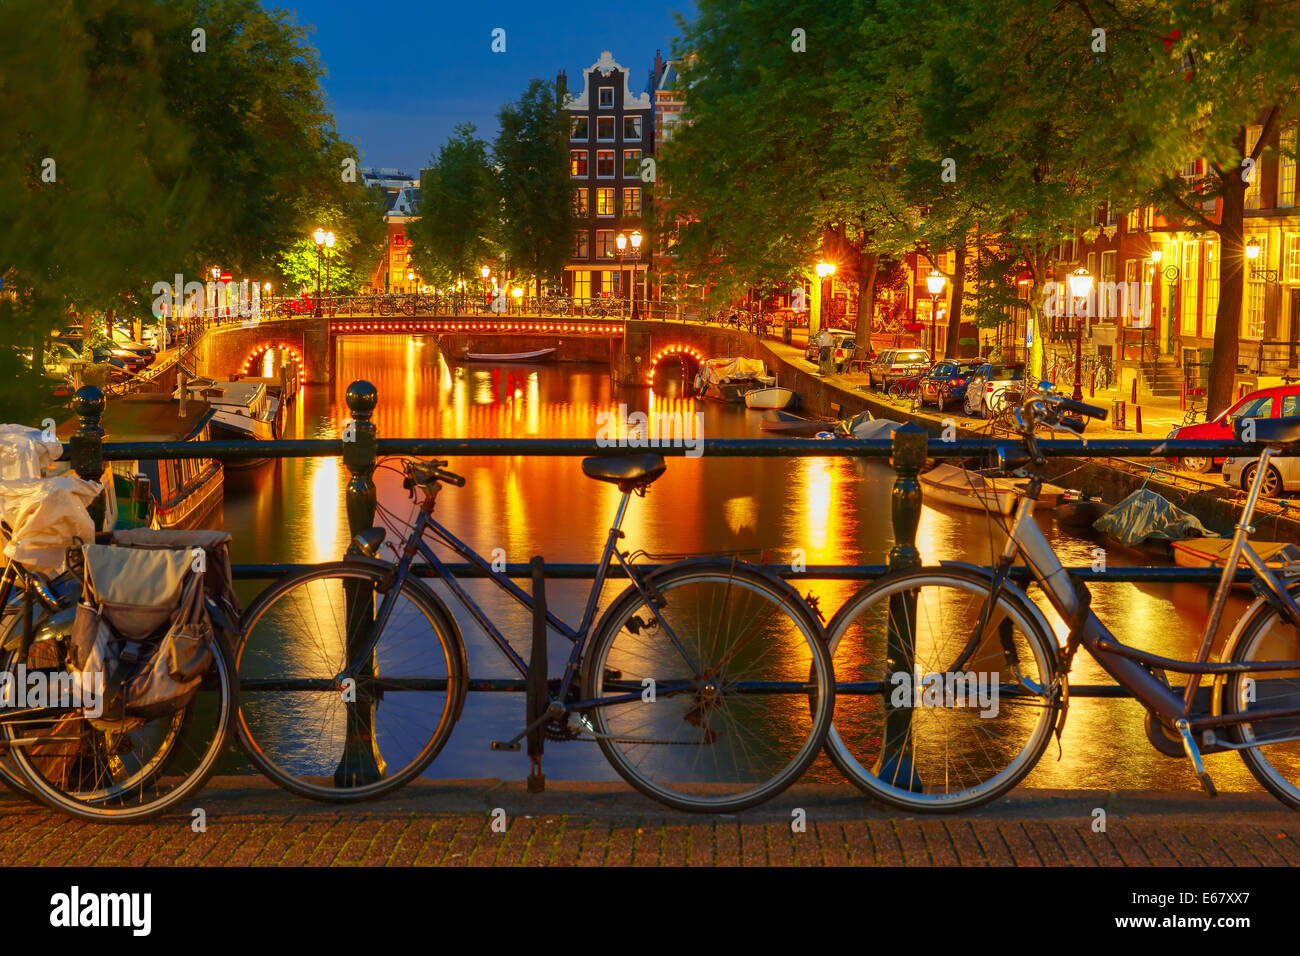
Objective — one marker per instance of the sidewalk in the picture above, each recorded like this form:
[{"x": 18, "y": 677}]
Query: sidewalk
[{"x": 451, "y": 823}]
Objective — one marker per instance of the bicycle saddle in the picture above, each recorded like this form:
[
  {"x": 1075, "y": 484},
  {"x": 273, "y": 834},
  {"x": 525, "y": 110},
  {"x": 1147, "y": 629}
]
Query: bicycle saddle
[
  {"x": 1277, "y": 432},
  {"x": 629, "y": 472}
]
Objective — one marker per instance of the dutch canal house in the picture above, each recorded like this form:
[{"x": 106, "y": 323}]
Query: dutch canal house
[{"x": 611, "y": 134}]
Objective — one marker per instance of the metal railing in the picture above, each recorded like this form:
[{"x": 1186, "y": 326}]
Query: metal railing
[{"x": 907, "y": 452}]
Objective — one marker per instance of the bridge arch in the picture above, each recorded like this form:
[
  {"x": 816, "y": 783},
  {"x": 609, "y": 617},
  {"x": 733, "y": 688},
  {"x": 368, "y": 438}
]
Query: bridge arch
[
  {"x": 690, "y": 359},
  {"x": 253, "y": 363}
]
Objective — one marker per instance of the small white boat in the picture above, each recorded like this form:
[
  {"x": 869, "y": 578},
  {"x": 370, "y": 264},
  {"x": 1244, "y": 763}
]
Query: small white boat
[
  {"x": 1213, "y": 552},
  {"x": 961, "y": 488},
  {"x": 241, "y": 411},
  {"x": 773, "y": 396},
  {"x": 536, "y": 356}
]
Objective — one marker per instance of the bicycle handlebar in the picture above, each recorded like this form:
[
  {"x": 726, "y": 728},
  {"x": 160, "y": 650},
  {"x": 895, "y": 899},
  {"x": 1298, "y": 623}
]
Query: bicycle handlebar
[{"x": 1079, "y": 408}]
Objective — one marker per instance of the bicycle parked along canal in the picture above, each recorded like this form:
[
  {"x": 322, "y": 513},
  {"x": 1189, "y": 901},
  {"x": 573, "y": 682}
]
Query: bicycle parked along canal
[
  {"x": 706, "y": 683},
  {"x": 975, "y": 682}
]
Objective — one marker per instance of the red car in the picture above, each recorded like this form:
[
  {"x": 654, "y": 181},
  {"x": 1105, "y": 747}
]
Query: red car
[{"x": 1275, "y": 402}]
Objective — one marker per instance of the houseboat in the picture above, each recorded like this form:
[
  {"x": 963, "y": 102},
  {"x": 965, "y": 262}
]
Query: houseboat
[{"x": 241, "y": 411}]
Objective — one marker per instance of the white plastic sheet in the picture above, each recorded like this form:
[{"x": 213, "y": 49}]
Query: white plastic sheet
[
  {"x": 45, "y": 515},
  {"x": 25, "y": 451}
]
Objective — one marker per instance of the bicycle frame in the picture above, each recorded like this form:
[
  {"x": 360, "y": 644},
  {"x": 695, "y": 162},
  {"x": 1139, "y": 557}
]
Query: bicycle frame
[
  {"x": 416, "y": 544},
  {"x": 1128, "y": 665}
]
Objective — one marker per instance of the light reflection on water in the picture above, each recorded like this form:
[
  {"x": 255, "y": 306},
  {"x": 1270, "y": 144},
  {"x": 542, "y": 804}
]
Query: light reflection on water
[{"x": 834, "y": 510}]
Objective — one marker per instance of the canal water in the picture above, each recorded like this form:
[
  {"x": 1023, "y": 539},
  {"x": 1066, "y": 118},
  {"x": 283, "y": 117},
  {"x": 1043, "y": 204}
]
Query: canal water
[{"x": 833, "y": 510}]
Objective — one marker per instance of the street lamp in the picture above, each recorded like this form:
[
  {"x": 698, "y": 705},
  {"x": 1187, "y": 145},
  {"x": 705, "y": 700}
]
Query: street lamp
[
  {"x": 216, "y": 296},
  {"x": 319, "y": 236},
  {"x": 487, "y": 295},
  {"x": 934, "y": 282},
  {"x": 329, "y": 254},
  {"x": 635, "y": 239},
  {"x": 621, "y": 242},
  {"x": 824, "y": 271},
  {"x": 1252, "y": 253},
  {"x": 1080, "y": 284}
]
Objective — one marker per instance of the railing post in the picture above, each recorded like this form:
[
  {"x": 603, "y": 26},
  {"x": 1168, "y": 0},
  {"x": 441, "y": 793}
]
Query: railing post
[
  {"x": 86, "y": 447},
  {"x": 361, "y": 761},
  {"x": 911, "y": 443}
]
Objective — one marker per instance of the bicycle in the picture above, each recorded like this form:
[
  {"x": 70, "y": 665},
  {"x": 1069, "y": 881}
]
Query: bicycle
[
  {"x": 993, "y": 642},
  {"x": 94, "y": 769},
  {"x": 706, "y": 683}
]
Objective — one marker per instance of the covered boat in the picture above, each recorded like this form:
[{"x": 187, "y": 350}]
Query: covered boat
[
  {"x": 788, "y": 424},
  {"x": 864, "y": 426},
  {"x": 1145, "y": 516},
  {"x": 729, "y": 379},
  {"x": 242, "y": 411},
  {"x": 986, "y": 490}
]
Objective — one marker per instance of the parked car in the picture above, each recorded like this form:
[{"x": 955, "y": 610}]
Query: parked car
[
  {"x": 1283, "y": 474},
  {"x": 124, "y": 346},
  {"x": 891, "y": 365},
  {"x": 986, "y": 385},
  {"x": 843, "y": 345},
  {"x": 1272, "y": 402},
  {"x": 945, "y": 384}
]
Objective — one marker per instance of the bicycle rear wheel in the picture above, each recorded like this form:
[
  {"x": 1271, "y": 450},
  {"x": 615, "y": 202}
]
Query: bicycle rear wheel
[
  {"x": 133, "y": 771},
  {"x": 1274, "y": 759},
  {"x": 724, "y": 707},
  {"x": 953, "y": 720},
  {"x": 309, "y": 731}
]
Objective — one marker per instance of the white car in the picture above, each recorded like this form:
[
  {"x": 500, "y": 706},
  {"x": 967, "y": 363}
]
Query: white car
[
  {"x": 985, "y": 387},
  {"x": 1283, "y": 475}
]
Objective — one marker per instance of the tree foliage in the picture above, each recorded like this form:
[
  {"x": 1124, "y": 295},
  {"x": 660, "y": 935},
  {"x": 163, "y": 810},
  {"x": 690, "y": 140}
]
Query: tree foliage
[{"x": 459, "y": 211}]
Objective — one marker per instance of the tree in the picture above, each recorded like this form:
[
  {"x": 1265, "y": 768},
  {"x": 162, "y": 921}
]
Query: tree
[
  {"x": 458, "y": 211},
  {"x": 531, "y": 153}
]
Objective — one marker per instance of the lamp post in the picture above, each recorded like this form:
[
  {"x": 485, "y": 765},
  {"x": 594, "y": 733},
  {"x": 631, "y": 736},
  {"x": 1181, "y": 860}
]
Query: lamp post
[
  {"x": 824, "y": 271},
  {"x": 1080, "y": 284},
  {"x": 621, "y": 242},
  {"x": 216, "y": 296},
  {"x": 319, "y": 236},
  {"x": 487, "y": 295},
  {"x": 1252, "y": 253},
  {"x": 329, "y": 254},
  {"x": 934, "y": 282},
  {"x": 635, "y": 240}
]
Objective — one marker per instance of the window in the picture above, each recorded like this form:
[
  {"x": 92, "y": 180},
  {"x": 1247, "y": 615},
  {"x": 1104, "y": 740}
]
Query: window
[
  {"x": 578, "y": 128},
  {"x": 1211, "y": 288},
  {"x": 605, "y": 244},
  {"x": 1252, "y": 191},
  {"x": 1292, "y": 265},
  {"x": 1261, "y": 407},
  {"x": 605, "y": 129},
  {"x": 580, "y": 207},
  {"x": 1286, "y": 168},
  {"x": 582, "y": 284},
  {"x": 581, "y": 249},
  {"x": 1107, "y": 306},
  {"x": 632, "y": 201},
  {"x": 578, "y": 163},
  {"x": 1252, "y": 316},
  {"x": 631, "y": 127},
  {"x": 605, "y": 163},
  {"x": 606, "y": 97},
  {"x": 631, "y": 163},
  {"x": 1290, "y": 405},
  {"x": 1190, "y": 276},
  {"x": 605, "y": 201}
]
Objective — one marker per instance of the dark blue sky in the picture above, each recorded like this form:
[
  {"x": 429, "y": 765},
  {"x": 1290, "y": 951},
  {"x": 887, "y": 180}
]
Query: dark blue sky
[{"x": 401, "y": 76}]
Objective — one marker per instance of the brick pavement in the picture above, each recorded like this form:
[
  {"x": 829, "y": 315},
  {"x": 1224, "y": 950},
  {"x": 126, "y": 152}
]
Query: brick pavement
[{"x": 456, "y": 823}]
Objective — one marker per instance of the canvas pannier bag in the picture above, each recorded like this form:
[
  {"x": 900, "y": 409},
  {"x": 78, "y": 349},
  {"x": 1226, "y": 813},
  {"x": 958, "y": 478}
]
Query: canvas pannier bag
[{"x": 142, "y": 629}]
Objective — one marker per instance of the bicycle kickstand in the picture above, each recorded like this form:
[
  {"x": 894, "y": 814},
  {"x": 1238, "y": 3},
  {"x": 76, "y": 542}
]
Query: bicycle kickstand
[{"x": 1194, "y": 754}]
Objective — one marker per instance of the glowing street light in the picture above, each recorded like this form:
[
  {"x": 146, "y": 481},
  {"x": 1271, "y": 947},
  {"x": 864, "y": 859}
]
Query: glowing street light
[
  {"x": 934, "y": 282},
  {"x": 319, "y": 236},
  {"x": 1080, "y": 285}
]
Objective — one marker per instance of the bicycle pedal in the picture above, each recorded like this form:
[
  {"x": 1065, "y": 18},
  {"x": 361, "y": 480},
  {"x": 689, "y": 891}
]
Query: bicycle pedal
[
  {"x": 1194, "y": 754},
  {"x": 504, "y": 745}
]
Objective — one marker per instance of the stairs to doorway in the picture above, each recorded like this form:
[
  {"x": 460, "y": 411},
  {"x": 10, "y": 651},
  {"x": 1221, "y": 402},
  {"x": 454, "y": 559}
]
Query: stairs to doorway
[{"x": 1164, "y": 377}]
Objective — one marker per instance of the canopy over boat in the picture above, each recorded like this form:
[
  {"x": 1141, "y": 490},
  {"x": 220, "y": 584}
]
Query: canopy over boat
[
  {"x": 1145, "y": 514},
  {"x": 718, "y": 370}
]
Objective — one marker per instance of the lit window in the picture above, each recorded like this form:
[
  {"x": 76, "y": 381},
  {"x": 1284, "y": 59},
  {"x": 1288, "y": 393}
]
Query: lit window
[
  {"x": 580, "y": 207},
  {"x": 605, "y": 201},
  {"x": 1211, "y": 288},
  {"x": 1292, "y": 257},
  {"x": 578, "y": 128},
  {"x": 631, "y": 163},
  {"x": 605, "y": 244},
  {"x": 606, "y": 94},
  {"x": 605, "y": 163},
  {"x": 1253, "y": 176},
  {"x": 605, "y": 129},
  {"x": 578, "y": 163},
  {"x": 631, "y": 127},
  {"x": 1189, "y": 275},
  {"x": 1252, "y": 317},
  {"x": 1286, "y": 168},
  {"x": 632, "y": 201}
]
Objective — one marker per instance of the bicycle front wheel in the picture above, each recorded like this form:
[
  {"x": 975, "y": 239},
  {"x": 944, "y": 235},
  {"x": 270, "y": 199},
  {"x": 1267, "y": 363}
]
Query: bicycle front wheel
[
  {"x": 715, "y": 698},
  {"x": 1273, "y": 754},
  {"x": 322, "y": 736},
  {"x": 932, "y": 714}
]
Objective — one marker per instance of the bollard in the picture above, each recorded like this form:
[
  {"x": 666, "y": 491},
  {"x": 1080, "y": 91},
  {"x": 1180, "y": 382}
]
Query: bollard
[
  {"x": 86, "y": 447},
  {"x": 1137, "y": 419},
  {"x": 1135, "y": 389},
  {"x": 910, "y": 442},
  {"x": 361, "y": 762}
]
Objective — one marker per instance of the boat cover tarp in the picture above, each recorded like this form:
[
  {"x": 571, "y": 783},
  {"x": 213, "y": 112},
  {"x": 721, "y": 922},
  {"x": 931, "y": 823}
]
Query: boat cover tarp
[
  {"x": 736, "y": 369},
  {"x": 44, "y": 514},
  {"x": 1145, "y": 514},
  {"x": 954, "y": 476},
  {"x": 873, "y": 428}
]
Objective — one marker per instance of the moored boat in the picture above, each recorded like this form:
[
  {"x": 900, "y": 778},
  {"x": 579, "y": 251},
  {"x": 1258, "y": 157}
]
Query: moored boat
[
  {"x": 730, "y": 379},
  {"x": 789, "y": 424},
  {"x": 1080, "y": 512},
  {"x": 1213, "y": 552},
  {"x": 241, "y": 411},
  {"x": 963, "y": 488},
  {"x": 534, "y": 356}
]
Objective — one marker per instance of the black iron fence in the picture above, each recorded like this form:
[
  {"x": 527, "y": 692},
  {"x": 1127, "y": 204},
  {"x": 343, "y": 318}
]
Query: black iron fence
[{"x": 907, "y": 452}]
